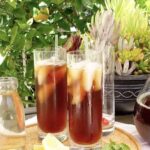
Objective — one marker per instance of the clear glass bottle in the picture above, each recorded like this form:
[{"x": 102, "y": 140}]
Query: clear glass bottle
[{"x": 12, "y": 122}]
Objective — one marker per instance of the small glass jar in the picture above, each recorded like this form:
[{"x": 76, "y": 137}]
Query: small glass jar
[{"x": 12, "y": 124}]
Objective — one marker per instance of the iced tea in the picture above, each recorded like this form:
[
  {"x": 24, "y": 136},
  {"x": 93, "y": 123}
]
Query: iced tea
[
  {"x": 142, "y": 115},
  {"x": 85, "y": 102},
  {"x": 51, "y": 95}
]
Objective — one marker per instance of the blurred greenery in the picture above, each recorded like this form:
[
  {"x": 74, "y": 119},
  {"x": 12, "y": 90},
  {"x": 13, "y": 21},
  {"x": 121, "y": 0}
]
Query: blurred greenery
[
  {"x": 26, "y": 25},
  {"x": 145, "y": 4}
]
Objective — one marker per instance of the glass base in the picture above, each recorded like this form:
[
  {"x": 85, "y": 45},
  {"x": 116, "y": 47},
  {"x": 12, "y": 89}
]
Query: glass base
[
  {"x": 81, "y": 147},
  {"x": 108, "y": 131},
  {"x": 109, "y": 127},
  {"x": 95, "y": 146},
  {"x": 61, "y": 136}
]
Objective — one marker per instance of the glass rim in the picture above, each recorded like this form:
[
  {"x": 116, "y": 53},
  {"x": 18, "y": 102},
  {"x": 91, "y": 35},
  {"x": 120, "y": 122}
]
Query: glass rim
[
  {"x": 83, "y": 51},
  {"x": 84, "y": 54},
  {"x": 140, "y": 98},
  {"x": 76, "y": 53},
  {"x": 49, "y": 50}
]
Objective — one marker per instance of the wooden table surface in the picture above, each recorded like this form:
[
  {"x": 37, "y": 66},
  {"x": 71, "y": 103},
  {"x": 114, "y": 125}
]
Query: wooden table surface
[{"x": 118, "y": 136}]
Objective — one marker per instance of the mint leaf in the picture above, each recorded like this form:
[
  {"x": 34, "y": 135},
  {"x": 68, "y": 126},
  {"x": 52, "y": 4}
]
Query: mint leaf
[
  {"x": 124, "y": 147},
  {"x": 113, "y": 146}
]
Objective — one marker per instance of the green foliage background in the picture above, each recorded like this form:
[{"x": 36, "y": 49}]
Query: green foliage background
[{"x": 20, "y": 34}]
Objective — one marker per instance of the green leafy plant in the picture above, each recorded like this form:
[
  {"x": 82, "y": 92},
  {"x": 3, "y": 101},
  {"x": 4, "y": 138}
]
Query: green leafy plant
[
  {"x": 114, "y": 146},
  {"x": 26, "y": 25},
  {"x": 126, "y": 28},
  {"x": 145, "y": 4},
  {"x": 134, "y": 24},
  {"x": 133, "y": 20}
]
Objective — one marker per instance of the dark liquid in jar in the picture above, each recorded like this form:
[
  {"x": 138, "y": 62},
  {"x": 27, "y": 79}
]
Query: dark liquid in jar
[
  {"x": 85, "y": 119},
  {"x": 51, "y": 95},
  {"x": 142, "y": 116}
]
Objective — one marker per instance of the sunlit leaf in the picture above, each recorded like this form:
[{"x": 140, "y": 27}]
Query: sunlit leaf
[
  {"x": 30, "y": 21},
  {"x": 44, "y": 28},
  {"x": 19, "y": 42},
  {"x": 42, "y": 4},
  {"x": 24, "y": 33},
  {"x": 23, "y": 25},
  {"x": 35, "y": 11},
  {"x": 88, "y": 3},
  {"x": 3, "y": 36},
  {"x": 63, "y": 24},
  {"x": 2, "y": 58},
  {"x": 12, "y": 3},
  {"x": 78, "y": 5},
  {"x": 13, "y": 33},
  {"x": 57, "y": 1},
  {"x": 19, "y": 13}
]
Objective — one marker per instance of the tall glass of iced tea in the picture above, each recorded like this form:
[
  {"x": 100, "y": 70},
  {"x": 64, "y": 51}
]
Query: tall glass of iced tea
[
  {"x": 51, "y": 92},
  {"x": 84, "y": 81}
]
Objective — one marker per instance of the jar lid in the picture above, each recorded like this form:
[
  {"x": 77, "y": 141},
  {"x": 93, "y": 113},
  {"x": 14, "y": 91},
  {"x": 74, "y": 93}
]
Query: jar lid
[{"x": 8, "y": 83}]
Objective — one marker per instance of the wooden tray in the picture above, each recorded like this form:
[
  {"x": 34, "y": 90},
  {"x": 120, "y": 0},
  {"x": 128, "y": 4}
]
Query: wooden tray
[{"x": 119, "y": 136}]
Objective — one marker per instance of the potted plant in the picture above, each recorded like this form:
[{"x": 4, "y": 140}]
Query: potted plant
[
  {"x": 132, "y": 65},
  {"x": 127, "y": 30}
]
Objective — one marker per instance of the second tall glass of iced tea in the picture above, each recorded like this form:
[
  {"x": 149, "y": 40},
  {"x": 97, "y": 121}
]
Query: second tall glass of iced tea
[
  {"x": 51, "y": 92},
  {"x": 84, "y": 79}
]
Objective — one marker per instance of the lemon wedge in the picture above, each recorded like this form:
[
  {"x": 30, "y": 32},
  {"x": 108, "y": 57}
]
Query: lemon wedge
[{"x": 50, "y": 142}]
